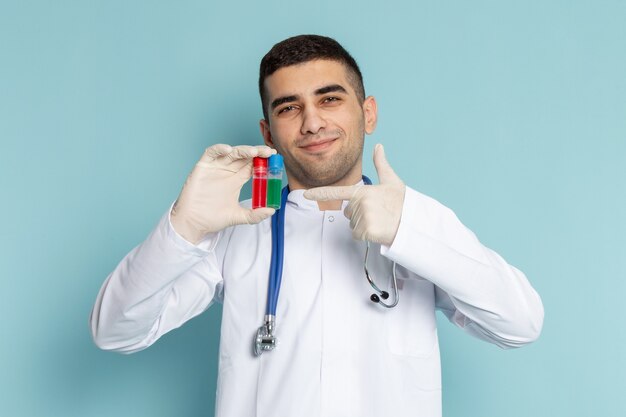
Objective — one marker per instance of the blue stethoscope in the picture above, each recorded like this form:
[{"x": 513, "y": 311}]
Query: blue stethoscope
[{"x": 265, "y": 339}]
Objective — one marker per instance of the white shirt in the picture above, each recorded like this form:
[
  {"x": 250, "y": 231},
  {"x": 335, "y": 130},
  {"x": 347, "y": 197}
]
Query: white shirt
[{"x": 339, "y": 354}]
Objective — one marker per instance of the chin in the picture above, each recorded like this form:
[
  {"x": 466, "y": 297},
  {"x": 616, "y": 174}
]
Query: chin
[{"x": 324, "y": 180}]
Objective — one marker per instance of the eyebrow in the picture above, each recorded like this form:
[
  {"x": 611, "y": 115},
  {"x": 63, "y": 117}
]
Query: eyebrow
[
  {"x": 333, "y": 88},
  {"x": 281, "y": 100}
]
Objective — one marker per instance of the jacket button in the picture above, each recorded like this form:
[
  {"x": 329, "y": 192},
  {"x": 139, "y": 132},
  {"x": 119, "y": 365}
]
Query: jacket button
[{"x": 331, "y": 218}]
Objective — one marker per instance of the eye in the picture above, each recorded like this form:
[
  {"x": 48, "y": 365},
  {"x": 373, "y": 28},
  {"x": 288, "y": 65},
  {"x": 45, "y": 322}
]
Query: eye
[
  {"x": 331, "y": 100},
  {"x": 286, "y": 109}
]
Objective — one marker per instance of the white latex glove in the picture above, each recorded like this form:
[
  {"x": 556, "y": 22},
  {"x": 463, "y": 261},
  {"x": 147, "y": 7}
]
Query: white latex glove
[
  {"x": 209, "y": 200},
  {"x": 374, "y": 210}
]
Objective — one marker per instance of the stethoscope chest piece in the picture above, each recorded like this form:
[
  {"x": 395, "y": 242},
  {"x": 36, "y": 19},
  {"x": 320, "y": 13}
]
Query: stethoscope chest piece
[{"x": 265, "y": 339}]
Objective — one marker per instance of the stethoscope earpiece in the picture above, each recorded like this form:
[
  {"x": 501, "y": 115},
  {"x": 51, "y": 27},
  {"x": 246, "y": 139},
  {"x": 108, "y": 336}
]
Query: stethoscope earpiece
[
  {"x": 381, "y": 294},
  {"x": 375, "y": 298}
]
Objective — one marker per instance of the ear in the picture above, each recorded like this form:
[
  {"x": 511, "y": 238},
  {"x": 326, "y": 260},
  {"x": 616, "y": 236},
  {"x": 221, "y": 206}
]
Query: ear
[
  {"x": 370, "y": 112},
  {"x": 265, "y": 131}
]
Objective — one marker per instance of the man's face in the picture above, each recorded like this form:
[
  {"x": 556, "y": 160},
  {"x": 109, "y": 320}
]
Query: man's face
[{"x": 317, "y": 123}]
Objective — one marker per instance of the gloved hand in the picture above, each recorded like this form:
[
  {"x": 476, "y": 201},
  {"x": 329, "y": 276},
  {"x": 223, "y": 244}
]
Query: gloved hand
[
  {"x": 374, "y": 210},
  {"x": 209, "y": 200}
]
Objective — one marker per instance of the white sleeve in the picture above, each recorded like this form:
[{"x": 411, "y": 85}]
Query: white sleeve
[
  {"x": 157, "y": 287},
  {"x": 475, "y": 287}
]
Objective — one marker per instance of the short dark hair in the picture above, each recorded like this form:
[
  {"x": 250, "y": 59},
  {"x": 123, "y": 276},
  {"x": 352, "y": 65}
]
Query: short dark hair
[{"x": 305, "y": 48}]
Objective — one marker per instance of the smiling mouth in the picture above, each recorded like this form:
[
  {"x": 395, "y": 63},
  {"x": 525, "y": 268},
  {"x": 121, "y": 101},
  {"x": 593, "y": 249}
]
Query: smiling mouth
[{"x": 319, "y": 145}]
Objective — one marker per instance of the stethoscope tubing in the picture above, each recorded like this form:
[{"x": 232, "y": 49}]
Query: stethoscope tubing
[{"x": 278, "y": 250}]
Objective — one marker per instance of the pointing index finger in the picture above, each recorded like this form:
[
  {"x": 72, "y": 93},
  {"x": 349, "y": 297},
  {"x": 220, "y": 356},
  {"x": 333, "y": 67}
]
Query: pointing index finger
[{"x": 331, "y": 193}]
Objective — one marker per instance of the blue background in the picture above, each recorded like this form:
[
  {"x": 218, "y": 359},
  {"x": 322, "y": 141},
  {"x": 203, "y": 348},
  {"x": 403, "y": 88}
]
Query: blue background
[{"x": 511, "y": 113}]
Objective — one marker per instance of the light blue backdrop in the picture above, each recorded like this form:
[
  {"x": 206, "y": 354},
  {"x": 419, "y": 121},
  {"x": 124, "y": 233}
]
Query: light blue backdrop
[{"x": 511, "y": 113}]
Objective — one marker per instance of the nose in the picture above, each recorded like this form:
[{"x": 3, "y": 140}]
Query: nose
[{"x": 312, "y": 121}]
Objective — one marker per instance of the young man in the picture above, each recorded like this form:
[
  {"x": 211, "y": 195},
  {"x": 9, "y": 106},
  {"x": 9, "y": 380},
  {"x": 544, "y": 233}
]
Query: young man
[{"x": 339, "y": 354}]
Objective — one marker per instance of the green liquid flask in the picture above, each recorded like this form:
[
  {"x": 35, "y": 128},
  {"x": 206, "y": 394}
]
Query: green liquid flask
[{"x": 274, "y": 181}]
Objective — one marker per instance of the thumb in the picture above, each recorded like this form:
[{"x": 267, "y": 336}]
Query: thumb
[
  {"x": 254, "y": 216},
  {"x": 383, "y": 169}
]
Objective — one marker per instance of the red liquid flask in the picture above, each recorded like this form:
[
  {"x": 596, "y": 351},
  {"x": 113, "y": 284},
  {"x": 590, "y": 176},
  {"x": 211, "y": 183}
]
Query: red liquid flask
[{"x": 259, "y": 182}]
